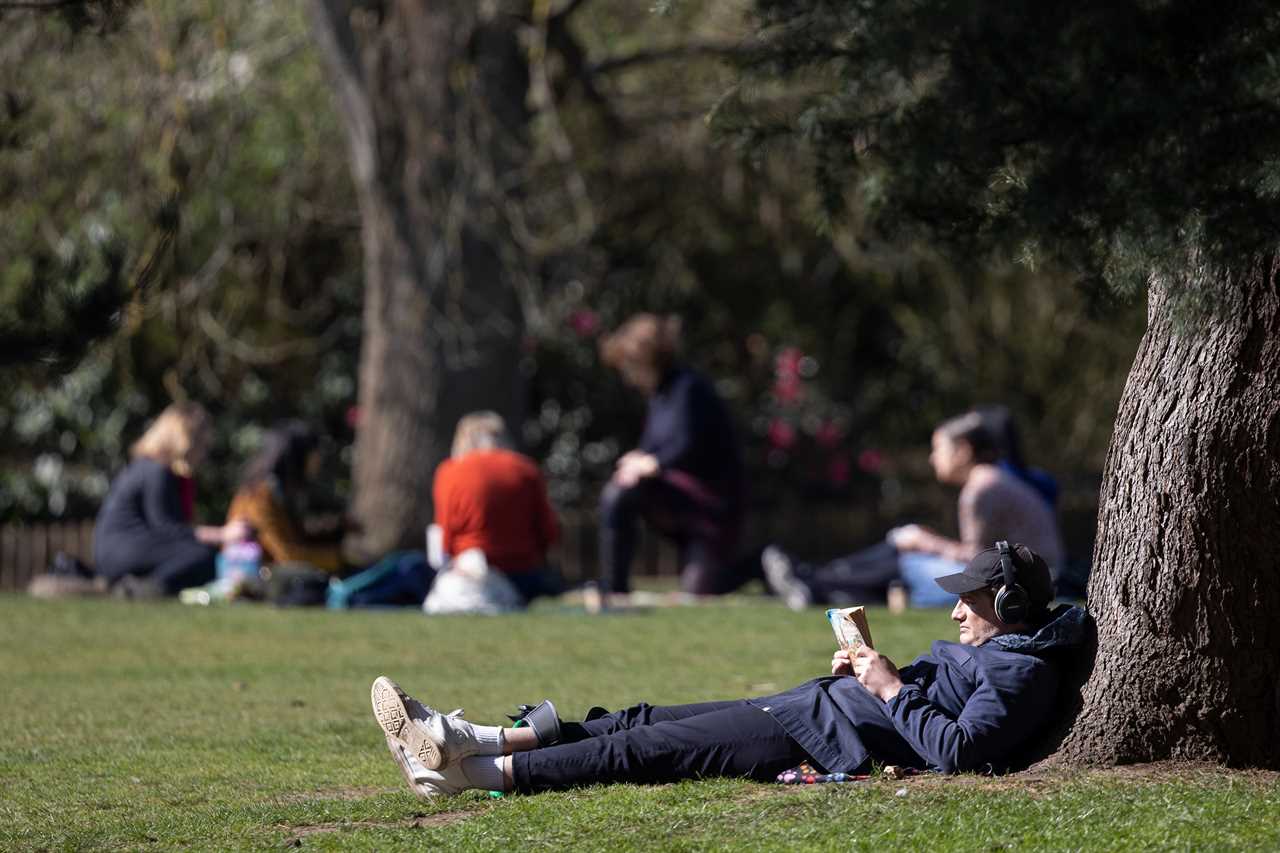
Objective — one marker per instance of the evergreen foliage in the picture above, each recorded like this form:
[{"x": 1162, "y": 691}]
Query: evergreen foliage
[{"x": 1113, "y": 138}]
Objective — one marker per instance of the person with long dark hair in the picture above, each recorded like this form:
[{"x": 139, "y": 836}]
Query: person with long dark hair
[
  {"x": 270, "y": 495},
  {"x": 1000, "y": 424}
]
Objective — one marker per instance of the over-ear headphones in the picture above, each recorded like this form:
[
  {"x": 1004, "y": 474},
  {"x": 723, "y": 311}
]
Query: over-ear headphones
[{"x": 1013, "y": 605}]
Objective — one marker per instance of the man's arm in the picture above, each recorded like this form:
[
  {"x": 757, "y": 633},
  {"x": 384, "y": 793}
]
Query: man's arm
[{"x": 992, "y": 724}]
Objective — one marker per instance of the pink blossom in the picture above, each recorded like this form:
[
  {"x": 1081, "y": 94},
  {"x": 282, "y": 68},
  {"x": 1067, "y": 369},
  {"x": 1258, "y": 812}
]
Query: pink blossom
[
  {"x": 786, "y": 364},
  {"x": 584, "y": 322},
  {"x": 871, "y": 461},
  {"x": 827, "y": 434},
  {"x": 838, "y": 471},
  {"x": 788, "y": 390},
  {"x": 782, "y": 435}
]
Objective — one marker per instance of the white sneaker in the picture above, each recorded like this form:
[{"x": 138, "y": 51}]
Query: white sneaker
[
  {"x": 437, "y": 740},
  {"x": 782, "y": 579},
  {"x": 428, "y": 783}
]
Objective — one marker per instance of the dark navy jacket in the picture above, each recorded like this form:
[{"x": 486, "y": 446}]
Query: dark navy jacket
[
  {"x": 142, "y": 514},
  {"x": 961, "y": 707},
  {"x": 688, "y": 428}
]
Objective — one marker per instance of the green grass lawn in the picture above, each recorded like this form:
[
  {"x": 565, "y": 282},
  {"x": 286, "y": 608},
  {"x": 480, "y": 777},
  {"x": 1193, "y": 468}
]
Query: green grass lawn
[{"x": 163, "y": 726}]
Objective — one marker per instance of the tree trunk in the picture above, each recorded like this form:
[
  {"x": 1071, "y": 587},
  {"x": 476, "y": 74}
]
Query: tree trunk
[
  {"x": 433, "y": 97},
  {"x": 1186, "y": 578}
]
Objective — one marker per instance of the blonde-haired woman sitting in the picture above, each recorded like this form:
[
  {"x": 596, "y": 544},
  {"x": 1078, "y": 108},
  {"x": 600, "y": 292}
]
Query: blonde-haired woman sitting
[
  {"x": 488, "y": 496},
  {"x": 144, "y": 543}
]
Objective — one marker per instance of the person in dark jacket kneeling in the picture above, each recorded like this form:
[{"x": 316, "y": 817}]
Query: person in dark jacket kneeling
[
  {"x": 685, "y": 479},
  {"x": 965, "y": 706}
]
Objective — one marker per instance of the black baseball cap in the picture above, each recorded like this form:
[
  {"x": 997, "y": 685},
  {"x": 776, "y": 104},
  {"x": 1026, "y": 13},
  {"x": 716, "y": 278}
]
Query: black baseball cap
[{"x": 1030, "y": 572}]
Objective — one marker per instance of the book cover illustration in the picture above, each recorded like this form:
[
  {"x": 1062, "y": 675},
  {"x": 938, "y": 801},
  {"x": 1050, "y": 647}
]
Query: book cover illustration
[{"x": 850, "y": 627}]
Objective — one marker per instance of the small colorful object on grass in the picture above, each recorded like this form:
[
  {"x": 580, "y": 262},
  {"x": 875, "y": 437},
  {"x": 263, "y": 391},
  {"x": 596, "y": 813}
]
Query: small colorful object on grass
[{"x": 807, "y": 774}]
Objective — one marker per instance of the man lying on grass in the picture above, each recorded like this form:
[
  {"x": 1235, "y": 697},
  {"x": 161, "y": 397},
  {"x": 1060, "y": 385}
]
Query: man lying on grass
[{"x": 964, "y": 706}]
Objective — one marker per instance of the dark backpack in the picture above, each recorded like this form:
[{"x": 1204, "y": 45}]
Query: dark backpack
[{"x": 297, "y": 585}]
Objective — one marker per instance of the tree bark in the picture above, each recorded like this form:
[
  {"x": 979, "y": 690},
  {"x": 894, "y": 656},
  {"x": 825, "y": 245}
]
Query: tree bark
[
  {"x": 1186, "y": 579},
  {"x": 433, "y": 99}
]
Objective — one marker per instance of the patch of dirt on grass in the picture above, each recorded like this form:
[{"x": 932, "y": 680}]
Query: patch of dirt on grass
[
  {"x": 419, "y": 821},
  {"x": 1156, "y": 771},
  {"x": 1044, "y": 779}
]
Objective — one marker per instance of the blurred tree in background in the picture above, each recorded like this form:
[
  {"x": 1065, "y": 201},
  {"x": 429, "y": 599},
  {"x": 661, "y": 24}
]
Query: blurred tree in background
[
  {"x": 174, "y": 164},
  {"x": 207, "y": 143},
  {"x": 434, "y": 100}
]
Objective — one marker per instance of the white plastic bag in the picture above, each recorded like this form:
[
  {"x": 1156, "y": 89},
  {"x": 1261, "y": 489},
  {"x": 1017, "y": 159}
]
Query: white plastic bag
[{"x": 468, "y": 585}]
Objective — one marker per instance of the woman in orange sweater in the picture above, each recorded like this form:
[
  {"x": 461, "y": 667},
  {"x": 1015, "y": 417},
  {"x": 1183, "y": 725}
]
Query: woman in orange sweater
[
  {"x": 487, "y": 496},
  {"x": 269, "y": 494}
]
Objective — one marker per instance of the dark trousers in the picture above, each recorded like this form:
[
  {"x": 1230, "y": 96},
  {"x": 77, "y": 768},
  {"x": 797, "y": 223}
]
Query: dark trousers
[
  {"x": 650, "y": 744},
  {"x": 535, "y": 584},
  {"x": 862, "y": 577},
  {"x": 704, "y": 533},
  {"x": 172, "y": 566}
]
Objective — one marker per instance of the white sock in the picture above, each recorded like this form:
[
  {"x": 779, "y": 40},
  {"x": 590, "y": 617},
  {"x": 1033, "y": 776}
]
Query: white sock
[
  {"x": 479, "y": 771},
  {"x": 491, "y": 737},
  {"x": 484, "y": 771}
]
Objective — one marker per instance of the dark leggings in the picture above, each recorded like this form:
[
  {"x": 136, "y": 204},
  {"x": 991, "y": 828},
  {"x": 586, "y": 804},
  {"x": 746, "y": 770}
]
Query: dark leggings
[
  {"x": 859, "y": 578},
  {"x": 651, "y": 744},
  {"x": 701, "y": 532},
  {"x": 171, "y": 566}
]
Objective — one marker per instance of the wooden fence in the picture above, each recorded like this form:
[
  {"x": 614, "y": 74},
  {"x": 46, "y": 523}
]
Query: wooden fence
[{"x": 27, "y": 549}]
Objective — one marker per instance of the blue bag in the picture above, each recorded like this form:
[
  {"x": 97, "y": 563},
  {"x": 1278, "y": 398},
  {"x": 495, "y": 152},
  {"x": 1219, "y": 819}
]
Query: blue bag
[{"x": 400, "y": 579}]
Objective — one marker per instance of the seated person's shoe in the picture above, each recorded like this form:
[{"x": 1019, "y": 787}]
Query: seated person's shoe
[
  {"x": 437, "y": 740},
  {"x": 428, "y": 783},
  {"x": 783, "y": 579},
  {"x": 134, "y": 588}
]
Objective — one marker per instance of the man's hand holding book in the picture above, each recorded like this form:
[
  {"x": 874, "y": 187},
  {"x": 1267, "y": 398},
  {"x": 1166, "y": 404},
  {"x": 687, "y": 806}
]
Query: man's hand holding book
[{"x": 856, "y": 657}]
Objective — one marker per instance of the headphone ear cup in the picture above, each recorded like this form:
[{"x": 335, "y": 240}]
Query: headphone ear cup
[{"x": 1012, "y": 604}]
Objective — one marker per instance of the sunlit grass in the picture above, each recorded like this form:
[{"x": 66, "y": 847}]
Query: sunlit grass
[{"x": 162, "y": 727}]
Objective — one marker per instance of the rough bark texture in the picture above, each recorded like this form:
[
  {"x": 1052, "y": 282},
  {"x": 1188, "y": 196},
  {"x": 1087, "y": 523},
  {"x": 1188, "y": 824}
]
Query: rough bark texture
[
  {"x": 1186, "y": 578},
  {"x": 433, "y": 97}
]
